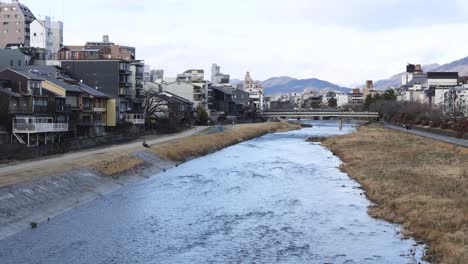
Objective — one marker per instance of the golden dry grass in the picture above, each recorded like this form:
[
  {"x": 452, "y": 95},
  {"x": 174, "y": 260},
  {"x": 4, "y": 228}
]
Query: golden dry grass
[
  {"x": 115, "y": 162},
  {"x": 417, "y": 182},
  {"x": 117, "y": 165},
  {"x": 195, "y": 146}
]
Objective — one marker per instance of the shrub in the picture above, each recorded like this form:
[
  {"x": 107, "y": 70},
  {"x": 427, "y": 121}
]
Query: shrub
[
  {"x": 444, "y": 125},
  {"x": 202, "y": 116}
]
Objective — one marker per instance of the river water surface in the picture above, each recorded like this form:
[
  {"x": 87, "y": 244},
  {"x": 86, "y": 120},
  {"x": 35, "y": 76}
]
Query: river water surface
[{"x": 275, "y": 199}]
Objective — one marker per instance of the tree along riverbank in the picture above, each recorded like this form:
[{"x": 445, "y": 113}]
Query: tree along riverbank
[{"x": 414, "y": 181}]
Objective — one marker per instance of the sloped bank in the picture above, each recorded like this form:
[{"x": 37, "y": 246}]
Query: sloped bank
[
  {"x": 417, "y": 182},
  {"x": 32, "y": 202}
]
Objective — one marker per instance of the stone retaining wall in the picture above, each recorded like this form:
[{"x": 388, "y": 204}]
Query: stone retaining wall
[{"x": 46, "y": 197}]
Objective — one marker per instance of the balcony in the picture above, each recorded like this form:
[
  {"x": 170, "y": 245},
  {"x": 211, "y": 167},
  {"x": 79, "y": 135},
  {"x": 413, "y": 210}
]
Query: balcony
[
  {"x": 125, "y": 84},
  {"x": 136, "y": 119},
  {"x": 23, "y": 109},
  {"x": 124, "y": 92},
  {"x": 37, "y": 125},
  {"x": 99, "y": 109},
  {"x": 40, "y": 109},
  {"x": 91, "y": 123},
  {"x": 125, "y": 72},
  {"x": 62, "y": 108},
  {"x": 87, "y": 108}
]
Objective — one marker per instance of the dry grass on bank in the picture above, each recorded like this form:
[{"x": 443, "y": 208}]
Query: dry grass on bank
[
  {"x": 417, "y": 182},
  {"x": 117, "y": 165},
  {"x": 200, "y": 145}
]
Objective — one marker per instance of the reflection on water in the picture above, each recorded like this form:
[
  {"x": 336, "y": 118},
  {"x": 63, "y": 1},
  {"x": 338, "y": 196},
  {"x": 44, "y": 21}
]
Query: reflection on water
[{"x": 276, "y": 199}]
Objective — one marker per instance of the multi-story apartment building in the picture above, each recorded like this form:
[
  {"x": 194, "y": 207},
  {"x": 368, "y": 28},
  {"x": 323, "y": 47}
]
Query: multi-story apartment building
[
  {"x": 15, "y": 21},
  {"x": 218, "y": 78},
  {"x": 113, "y": 78},
  {"x": 58, "y": 99},
  {"x": 191, "y": 86},
  {"x": 113, "y": 69},
  {"x": 112, "y": 51},
  {"x": 47, "y": 34},
  {"x": 255, "y": 89},
  {"x": 14, "y": 58},
  {"x": 137, "y": 81}
]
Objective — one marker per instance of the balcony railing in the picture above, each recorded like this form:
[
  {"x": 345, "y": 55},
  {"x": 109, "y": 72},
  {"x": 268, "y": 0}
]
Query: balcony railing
[
  {"x": 99, "y": 109},
  {"x": 37, "y": 125},
  {"x": 136, "y": 119},
  {"x": 91, "y": 123},
  {"x": 40, "y": 109},
  {"x": 62, "y": 108},
  {"x": 25, "y": 109}
]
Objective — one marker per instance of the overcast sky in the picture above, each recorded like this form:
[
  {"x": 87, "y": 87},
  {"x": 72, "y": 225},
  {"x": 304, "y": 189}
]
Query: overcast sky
[{"x": 342, "y": 41}]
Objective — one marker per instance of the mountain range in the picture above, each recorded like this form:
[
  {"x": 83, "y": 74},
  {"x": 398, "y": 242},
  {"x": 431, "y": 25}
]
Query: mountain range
[
  {"x": 460, "y": 66},
  {"x": 285, "y": 84}
]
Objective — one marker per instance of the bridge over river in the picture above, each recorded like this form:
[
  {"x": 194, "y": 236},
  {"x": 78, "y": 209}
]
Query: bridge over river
[{"x": 317, "y": 114}]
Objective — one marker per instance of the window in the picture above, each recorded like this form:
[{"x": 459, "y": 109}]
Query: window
[
  {"x": 35, "y": 34},
  {"x": 11, "y": 63},
  {"x": 18, "y": 30},
  {"x": 19, "y": 63},
  {"x": 5, "y": 31},
  {"x": 6, "y": 23},
  {"x": 18, "y": 23}
]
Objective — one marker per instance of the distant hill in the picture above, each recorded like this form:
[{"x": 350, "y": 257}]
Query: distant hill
[
  {"x": 395, "y": 80},
  {"x": 460, "y": 66},
  {"x": 285, "y": 84}
]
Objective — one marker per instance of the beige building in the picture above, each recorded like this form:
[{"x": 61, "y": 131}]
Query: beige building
[
  {"x": 255, "y": 89},
  {"x": 15, "y": 20}
]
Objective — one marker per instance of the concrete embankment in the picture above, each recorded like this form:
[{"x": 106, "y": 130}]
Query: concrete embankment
[
  {"x": 40, "y": 198},
  {"x": 414, "y": 181}
]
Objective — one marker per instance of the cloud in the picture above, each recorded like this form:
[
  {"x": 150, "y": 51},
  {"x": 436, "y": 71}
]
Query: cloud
[{"x": 337, "y": 40}]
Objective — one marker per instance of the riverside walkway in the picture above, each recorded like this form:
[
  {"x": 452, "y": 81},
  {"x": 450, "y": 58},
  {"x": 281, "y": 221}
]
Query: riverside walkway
[
  {"x": 451, "y": 140},
  {"x": 305, "y": 114},
  {"x": 36, "y": 167}
]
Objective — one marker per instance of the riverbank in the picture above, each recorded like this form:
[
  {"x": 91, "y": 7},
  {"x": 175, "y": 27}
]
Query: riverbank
[
  {"x": 34, "y": 192},
  {"x": 414, "y": 181}
]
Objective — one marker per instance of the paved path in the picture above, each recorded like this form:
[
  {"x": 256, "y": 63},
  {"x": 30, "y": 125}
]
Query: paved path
[
  {"x": 74, "y": 156},
  {"x": 451, "y": 140}
]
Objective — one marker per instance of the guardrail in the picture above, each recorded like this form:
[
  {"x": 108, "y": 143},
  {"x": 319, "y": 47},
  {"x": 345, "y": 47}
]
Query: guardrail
[
  {"x": 39, "y": 127},
  {"x": 136, "y": 119},
  {"x": 314, "y": 113}
]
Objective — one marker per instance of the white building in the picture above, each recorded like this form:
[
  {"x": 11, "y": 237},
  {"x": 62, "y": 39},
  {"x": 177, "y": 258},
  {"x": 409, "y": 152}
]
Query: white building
[
  {"x": 191, "y": 86},
  {"x": 255, "y": 89},
  {"x": 354, "y": 98},
  {"x": 441, "y": 82},
  {"x": 194, "y": 92},
  {"x": 47, "y": 34},
  {"x": 218, "y": 78},
  {"x": 461, "y": 100},
  {"x": 342, "y": 99}
]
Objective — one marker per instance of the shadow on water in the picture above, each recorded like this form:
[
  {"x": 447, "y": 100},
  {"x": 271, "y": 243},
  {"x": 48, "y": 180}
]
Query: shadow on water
[{"x": 275, "y": 199}]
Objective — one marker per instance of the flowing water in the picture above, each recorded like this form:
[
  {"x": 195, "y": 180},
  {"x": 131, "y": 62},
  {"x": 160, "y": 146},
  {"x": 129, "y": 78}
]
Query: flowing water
[{"x": 275, "y": 199}]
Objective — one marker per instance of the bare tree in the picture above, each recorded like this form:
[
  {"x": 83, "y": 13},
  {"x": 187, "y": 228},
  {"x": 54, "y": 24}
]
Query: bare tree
[{"x": 154, "y": 104}]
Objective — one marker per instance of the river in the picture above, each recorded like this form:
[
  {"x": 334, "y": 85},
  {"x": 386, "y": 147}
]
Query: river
[{"x": 275, "y": 199}]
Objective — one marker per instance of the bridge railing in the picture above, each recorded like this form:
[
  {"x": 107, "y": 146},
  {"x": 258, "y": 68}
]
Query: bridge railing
[{"x": 318, "y": 113}]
